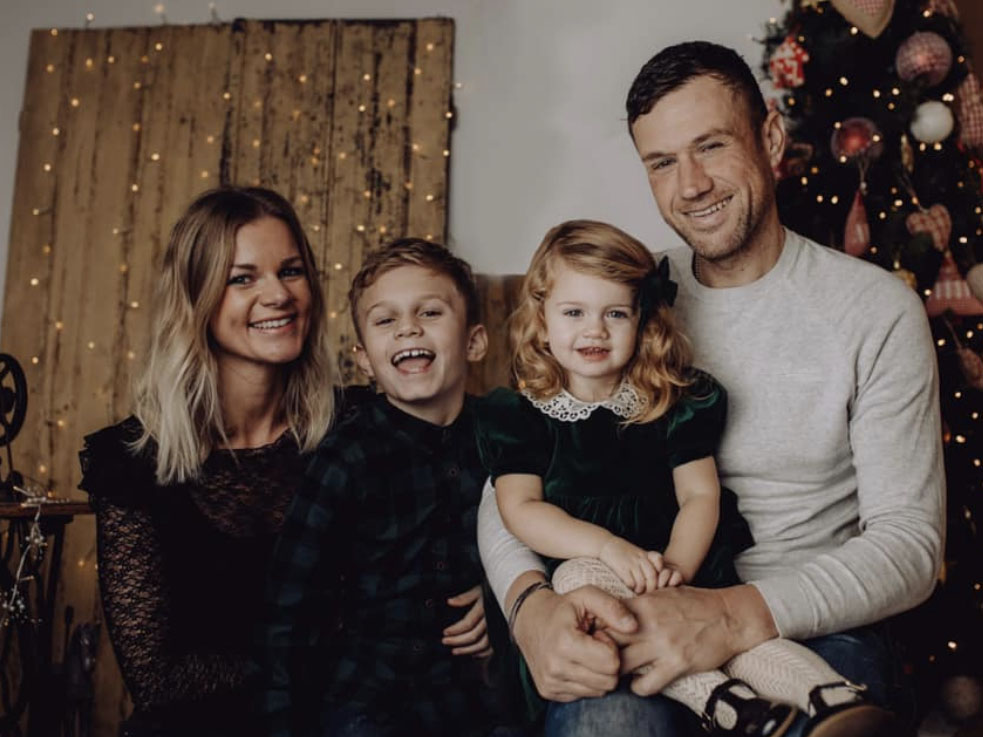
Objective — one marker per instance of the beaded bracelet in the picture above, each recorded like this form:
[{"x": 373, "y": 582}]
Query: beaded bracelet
[{"x": 520, "y": 600}]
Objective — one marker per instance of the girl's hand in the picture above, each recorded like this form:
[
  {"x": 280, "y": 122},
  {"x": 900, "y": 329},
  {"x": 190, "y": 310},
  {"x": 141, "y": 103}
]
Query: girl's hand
[
  {"x": 668, "y": 575},
  {"x": 632, "y": 564},
  {"x": 469, "y": 635}
]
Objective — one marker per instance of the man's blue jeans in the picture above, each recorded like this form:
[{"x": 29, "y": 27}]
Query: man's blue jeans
[{"x": 865, "y": 655}]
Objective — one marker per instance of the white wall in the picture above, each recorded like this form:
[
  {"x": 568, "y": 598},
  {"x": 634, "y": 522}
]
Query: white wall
[{"x": 540, "y": 133}]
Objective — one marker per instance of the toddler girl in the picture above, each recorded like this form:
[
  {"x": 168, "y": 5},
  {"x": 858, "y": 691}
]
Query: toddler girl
[{"x": 604, "y": 459}]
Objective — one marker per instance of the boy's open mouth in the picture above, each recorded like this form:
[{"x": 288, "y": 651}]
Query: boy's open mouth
[{"x": 413, "y": 360}]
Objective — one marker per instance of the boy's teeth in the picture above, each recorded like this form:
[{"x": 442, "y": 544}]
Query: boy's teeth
[
  {"x": 412, "y": 353},
  {"x": 270, "y": 324}
]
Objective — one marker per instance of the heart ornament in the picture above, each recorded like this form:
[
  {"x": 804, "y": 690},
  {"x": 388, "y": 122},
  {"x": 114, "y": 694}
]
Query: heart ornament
[
  {"x": 935, "y": 221},
  {"x": 870, "y": 16}
]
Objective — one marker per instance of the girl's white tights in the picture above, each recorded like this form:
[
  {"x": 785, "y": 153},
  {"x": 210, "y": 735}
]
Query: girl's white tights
[{"x": 778, "y": 670}]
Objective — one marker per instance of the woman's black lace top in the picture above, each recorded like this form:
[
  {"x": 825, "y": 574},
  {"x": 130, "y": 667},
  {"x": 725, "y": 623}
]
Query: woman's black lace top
[{"x": 182, "y": 571}]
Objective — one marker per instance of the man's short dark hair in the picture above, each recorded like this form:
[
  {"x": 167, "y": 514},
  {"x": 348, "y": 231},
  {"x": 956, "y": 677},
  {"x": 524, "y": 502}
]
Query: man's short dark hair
[{"x": 676, "y": 65}]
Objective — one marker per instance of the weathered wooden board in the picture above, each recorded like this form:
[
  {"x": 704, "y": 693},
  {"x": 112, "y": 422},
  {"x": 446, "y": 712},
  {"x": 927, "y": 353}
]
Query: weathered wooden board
[{"x": 121, "y": 128}]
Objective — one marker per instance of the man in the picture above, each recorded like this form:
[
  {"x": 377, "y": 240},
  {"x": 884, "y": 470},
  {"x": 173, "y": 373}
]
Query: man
[{"x": 832, "y": 443}]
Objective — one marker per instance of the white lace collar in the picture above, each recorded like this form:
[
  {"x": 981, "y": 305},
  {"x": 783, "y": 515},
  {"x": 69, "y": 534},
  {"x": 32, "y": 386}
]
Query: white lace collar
[{"x": 626, "y": 402}]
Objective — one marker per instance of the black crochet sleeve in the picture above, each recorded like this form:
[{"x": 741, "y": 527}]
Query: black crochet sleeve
[
  {"x": 138, "y": 616},
  {"x": 156, "y": 667}
]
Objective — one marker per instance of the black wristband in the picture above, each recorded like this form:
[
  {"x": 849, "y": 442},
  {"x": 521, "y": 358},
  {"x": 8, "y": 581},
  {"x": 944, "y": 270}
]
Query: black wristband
[{"x": 520, "y": 600}]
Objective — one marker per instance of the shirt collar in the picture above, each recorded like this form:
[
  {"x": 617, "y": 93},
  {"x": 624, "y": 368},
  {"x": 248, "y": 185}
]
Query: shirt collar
[
  {"x": 425, "y": 434},
  {"x": 626, "y": 403}
]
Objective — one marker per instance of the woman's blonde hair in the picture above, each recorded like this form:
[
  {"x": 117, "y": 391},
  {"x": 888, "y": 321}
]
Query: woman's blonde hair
[
  {"x": 177, "y": 398},
  {"x": 658, "y": 366}
]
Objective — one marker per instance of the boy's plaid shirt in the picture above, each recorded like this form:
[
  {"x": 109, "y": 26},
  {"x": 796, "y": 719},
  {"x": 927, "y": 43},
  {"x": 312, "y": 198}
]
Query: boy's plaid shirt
[{"x": 381, "y": 534}]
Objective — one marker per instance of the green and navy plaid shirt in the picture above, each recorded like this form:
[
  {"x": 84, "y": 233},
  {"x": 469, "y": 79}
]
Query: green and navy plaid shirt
[{"x": 381, "y": 534}]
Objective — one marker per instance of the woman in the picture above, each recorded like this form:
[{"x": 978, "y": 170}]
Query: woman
[{"x": 191, "y": 490}]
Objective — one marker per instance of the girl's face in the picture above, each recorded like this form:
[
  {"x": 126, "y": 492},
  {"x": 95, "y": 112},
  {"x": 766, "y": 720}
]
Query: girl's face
[
  {"x": 591, "y": 326},
  {"x": 264, "y": 316}
]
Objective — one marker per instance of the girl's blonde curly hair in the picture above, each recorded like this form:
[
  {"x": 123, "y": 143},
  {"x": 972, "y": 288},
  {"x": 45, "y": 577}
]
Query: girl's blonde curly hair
[{"x": 658, "y": 366}]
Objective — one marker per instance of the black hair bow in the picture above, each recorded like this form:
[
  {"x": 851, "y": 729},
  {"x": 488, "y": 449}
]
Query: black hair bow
[{"x": 656, "y": 289}]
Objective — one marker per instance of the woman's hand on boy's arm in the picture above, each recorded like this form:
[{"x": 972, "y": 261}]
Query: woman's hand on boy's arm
[{"x": 469, "y": 635}]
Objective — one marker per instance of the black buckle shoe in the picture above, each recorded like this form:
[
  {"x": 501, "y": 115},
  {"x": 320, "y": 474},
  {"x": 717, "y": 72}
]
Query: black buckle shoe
[
  {"x": 858, "y": 718},
  {"x": 756, "y": 717}
]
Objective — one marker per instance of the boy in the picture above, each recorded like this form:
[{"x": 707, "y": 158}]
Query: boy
[{"x": 363, "y": 636}]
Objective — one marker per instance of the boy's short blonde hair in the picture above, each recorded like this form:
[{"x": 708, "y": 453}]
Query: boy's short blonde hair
[{"x": 415, "y": 252}]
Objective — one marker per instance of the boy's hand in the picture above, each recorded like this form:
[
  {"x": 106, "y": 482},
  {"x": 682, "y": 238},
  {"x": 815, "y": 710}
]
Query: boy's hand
[
  {"x": 469, "y": 635},
  {"x": 632, "y": 564}
]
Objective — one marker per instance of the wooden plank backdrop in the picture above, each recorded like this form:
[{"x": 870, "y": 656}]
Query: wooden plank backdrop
[{"x": 121, "y": 128}]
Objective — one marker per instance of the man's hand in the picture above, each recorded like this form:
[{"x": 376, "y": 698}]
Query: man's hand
[
  {"x": 688, "y": 630},
  {"x": 469, "y": 635},
  {"x": 566, "y": 644}
]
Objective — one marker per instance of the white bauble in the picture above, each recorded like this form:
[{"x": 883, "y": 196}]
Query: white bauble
[
  {"x": 933, "y": 122},
  {"x": 974, "y": 278}
]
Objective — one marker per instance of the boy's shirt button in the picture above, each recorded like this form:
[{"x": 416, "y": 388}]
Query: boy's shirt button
[
  {"x": 453, "y": 472},
  {"x": 429, "y": 603},
  {"x": 440, "y": 565}
]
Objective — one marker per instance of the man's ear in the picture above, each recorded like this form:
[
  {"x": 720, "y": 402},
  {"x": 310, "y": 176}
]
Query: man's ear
[
  {"x": 477, "y": 343},
  {"x": 773, "y": 137},
  {"x": 362, "y": 359}
]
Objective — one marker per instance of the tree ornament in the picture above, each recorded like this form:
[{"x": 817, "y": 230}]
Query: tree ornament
[
  {"x": 944, "y": 7},
  {"x": 962, "y": 698},
  {"x": 935, "y": 221},
  {"x": 794, "y": 162},
  {"x": 969, "y": 111},
  {"x": 906, "y": 276},
  {"x": 924, "y": 55},
  {"x": 907, "y": 154},
  {"x": 972, "y": 366},
  {"x": 856, "y": 138},
  {"x": 932, "y": 122},
  {"x": 974, "y": 279},
  {"x": 856, "y": 235},
  {"x": 787, "y": 63},
  {"x": 870, "y": 16},
  {"x": 951, "y": 292}
]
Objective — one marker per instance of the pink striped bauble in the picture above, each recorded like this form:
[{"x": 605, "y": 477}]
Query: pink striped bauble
[
  {"x": 951, "y": 292},
  {"x": 924, "y": 55}
]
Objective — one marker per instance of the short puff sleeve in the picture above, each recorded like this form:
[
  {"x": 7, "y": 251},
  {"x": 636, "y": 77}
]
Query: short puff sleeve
[
  {"x": 512, "y": 435},
  {"x": 112, "y": 471},
  {"x": 696, "y": 422}
]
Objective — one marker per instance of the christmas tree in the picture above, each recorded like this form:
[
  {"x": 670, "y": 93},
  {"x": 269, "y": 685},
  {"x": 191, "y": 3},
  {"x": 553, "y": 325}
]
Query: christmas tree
[{"x": 886, "y": 132}]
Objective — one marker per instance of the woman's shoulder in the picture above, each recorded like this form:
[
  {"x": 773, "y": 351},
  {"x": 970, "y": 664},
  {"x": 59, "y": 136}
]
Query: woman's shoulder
[
  {"x": 111, "y": 466},
  {"x": 123, "y": 432}
]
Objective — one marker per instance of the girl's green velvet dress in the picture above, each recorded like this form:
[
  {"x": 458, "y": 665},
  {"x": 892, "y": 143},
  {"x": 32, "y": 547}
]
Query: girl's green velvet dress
[{"x": 618, "y": 476}]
